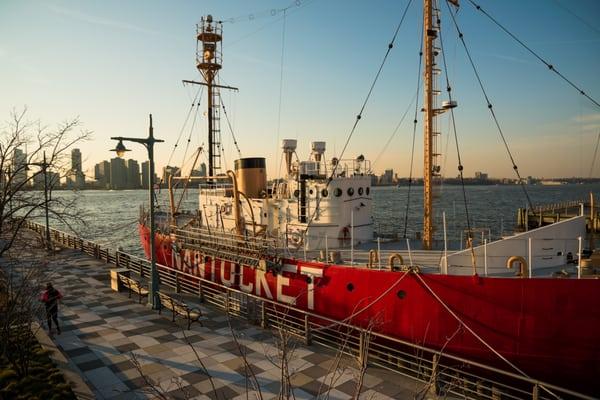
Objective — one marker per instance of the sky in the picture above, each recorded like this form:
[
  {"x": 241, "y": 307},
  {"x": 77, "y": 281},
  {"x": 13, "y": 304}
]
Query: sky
[{"x": 114, "y": 62}]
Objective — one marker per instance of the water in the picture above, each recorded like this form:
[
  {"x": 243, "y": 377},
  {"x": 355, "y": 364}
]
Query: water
[{"x": 111, "y": 216}]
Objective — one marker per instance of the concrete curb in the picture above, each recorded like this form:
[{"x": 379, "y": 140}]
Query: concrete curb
[{"x": 78, "y": 385}]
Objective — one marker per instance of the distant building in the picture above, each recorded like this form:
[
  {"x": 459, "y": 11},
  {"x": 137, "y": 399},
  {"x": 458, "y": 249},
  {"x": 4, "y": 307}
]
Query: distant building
[
  {"x": 19, "y": 167},
  {"x": 76, "y": 160},
  {"x": 145, "y": 171},
  {"x": 133, "y": 174},
  {"x": 118, "y": 174},
  {"x": 201, "y": 171},
  {"x": 53, "y": 180},
  {"x": 169, "y": 171},
  {"x": 102, "y": 174},
  {"x": 75, "y": 177},
  {"x": 483, "y": 176},
  {"x": 387, "y": 178}
]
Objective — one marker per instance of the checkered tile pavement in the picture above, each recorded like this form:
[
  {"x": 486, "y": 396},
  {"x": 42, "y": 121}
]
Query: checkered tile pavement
[{"x": 103, "y": 331}]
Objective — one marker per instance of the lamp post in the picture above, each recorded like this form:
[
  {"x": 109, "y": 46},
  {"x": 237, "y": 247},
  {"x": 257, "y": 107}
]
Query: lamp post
[
  {"x": 44, "y": 165},
  {"x": 120, "y": 150}
]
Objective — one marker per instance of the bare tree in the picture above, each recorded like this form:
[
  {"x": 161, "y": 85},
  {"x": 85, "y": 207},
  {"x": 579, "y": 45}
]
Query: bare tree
[{"x": 29, "y": 152}]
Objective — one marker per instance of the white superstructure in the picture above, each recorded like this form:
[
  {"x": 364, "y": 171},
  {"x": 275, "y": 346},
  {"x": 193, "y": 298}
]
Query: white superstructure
[{"x": 320, "y": 203}]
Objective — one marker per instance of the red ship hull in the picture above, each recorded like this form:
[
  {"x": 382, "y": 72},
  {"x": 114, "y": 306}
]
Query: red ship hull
[{"x": 548, "y": 328}]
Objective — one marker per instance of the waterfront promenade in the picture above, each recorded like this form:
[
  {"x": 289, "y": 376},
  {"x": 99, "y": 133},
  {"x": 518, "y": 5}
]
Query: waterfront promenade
[{"x": 104, "y": 332}]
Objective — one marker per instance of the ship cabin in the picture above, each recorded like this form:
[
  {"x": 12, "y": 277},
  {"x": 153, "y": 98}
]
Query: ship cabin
[{"x": 319, "y": 204}]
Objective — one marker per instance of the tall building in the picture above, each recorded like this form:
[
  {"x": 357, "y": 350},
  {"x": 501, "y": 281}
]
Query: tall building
[
  {"x": 387, "y": 178},
  {"x": 118, "y": 174},
  {"x": 169, "y": 171},
  {"x": 102, "y": 174},
  {"x": 75, "y": 177},
  {"x": 133, "y": 174},
  {"x": 76, "y": 160},
  {"x": 145, "y": 171},
  {"x": 19, "y": 167}
]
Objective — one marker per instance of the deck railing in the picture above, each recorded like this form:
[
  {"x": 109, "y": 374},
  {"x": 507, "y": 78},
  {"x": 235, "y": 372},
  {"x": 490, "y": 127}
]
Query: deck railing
[{"x": 439, "y": 372}]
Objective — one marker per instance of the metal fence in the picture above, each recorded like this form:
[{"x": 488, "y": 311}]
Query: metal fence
[{"x": 440, "y": 373}]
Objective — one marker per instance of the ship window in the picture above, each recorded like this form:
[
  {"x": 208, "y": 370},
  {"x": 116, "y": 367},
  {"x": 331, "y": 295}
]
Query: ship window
[
  {"x": 367, "y": 191},
  {"x": 296, "y": 193},
  {"x": 337, "y": 192},
  {"x": 350, "y": 191},
  {"x": 360, "y": 191},
  {"x": 401, "y": 294},
  {"x": 350, "y": 287},
  {"x": 308, "y": 280},
  {"x": 324, "y": 193}
]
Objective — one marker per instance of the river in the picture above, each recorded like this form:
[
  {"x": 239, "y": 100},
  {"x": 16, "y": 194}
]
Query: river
[{"x": 111, "y": 216}]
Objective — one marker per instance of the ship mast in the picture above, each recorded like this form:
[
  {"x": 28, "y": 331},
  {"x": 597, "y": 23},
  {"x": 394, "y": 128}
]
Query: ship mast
[
  {"x": 208, "y": 62},
  {"x": 431, "y": 165}
]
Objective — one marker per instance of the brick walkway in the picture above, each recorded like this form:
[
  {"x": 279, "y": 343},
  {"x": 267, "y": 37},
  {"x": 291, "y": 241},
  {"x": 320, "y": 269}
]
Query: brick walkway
[{"x": 102, "y": 329}]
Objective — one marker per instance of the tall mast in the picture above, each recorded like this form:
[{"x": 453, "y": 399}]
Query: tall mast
[
  {"x": 208, "y": 62},
  {"x": 431, "y": 133},
  {"x": 430, "y": 35}
]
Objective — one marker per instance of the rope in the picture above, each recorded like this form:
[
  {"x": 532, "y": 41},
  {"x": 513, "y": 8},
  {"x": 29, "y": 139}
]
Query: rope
[
  {"x": 415, "y": 122},
  {"x": 536, "y": 55},
  {"x": 359, "y": 116},
  {"x": 354, "y": 314},
  {"x": 486, "y": 344},
  {"x": 595, "y": 154},
  {"x": 489, "y": 105},
  {"x": 460, "y": 164},
  {"x": 230, "y": 128}
]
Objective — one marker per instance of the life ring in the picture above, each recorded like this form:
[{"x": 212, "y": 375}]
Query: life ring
[
  {"x": 391, "y": 259},
  {"x": 295, "y": 238},
  {"x": 523, "y": 270}
]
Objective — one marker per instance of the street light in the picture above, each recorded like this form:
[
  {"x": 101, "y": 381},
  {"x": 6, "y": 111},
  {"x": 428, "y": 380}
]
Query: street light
[{"x": 120, "y": 150}]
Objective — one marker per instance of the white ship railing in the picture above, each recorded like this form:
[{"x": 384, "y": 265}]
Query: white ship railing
[{"x": 440, "y": 372}]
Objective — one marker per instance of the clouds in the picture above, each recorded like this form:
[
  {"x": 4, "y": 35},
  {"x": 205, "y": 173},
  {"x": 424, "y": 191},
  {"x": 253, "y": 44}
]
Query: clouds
[
  {"x": 588, "y": 122},
  {"x": 94, "y": 20}
]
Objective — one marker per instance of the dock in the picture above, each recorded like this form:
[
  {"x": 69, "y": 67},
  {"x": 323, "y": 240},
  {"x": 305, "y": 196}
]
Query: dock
[{"x": 119, "y": 346}]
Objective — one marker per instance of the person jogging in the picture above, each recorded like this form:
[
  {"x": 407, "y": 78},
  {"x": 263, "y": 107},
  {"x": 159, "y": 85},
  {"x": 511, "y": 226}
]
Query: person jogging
[{"x": 50, "y": 297}]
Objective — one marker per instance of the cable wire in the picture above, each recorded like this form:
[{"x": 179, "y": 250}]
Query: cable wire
[
  {"x": 536, "y": 55},
  {"x": 489, "y": 105},
  {"x": 230, "y": 128},
  {"x": 415, "y": 122}
]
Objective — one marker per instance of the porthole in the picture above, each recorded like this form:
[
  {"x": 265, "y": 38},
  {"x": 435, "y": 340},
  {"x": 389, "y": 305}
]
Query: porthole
[
  {"x": 337, "y": 192},
  {"x": 401, "y": 294},
  {"x": 360, "y": 191},
  {"x": 350, "y": 191},
  {"x": 350, "y": 287},
  {"x": 367, "y": 191},
  {"x": 311, "y": 192},
  {"x": 296, "y": 193},
  {"x": 324, "y": 193},
  {"x": 308, "y": 280}
]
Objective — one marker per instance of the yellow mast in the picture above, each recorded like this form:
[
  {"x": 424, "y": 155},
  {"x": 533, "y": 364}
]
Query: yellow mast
[
  {"x": 431, "y": 167},
  {"x": 430, "y": 35}
]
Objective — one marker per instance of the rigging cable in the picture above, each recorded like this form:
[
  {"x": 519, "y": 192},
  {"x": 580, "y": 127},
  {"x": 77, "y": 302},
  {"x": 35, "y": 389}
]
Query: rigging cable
[
  {"x": 595, "y": 154},
  {"x": 489, "y": 105},
  {"x": 230, "y": 128},
  {"x": 460, "y": 164},
  {"x": 415, "y": 122},
  {"x": 194, "y": 104},
  {"x": 536, "y": 55},
  {"x": 280, "y": 85},
  {"x": 359, "y": 116}
]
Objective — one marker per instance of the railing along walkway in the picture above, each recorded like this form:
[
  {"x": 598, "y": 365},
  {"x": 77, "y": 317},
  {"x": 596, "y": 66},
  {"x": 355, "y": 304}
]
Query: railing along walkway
[{"x": 446, "y": 373}]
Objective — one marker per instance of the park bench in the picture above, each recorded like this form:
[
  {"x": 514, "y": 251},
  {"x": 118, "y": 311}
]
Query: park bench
[
  {"x": 133, "y": 286},
  {"x": 179, "y": 308}
]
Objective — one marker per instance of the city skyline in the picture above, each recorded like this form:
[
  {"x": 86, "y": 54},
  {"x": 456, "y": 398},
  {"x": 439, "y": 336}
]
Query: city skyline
[{"x": 132, "y": 59}]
